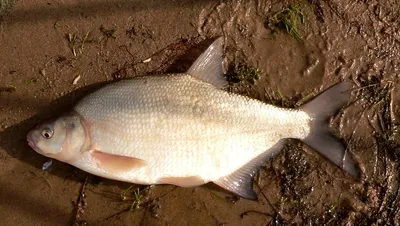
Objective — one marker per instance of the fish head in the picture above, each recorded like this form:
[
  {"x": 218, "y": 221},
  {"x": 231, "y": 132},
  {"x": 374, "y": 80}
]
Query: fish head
[{"x": 63, "y": 138}]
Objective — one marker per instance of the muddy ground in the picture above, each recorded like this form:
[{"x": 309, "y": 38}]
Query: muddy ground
[{"x": 46, "y": 45}]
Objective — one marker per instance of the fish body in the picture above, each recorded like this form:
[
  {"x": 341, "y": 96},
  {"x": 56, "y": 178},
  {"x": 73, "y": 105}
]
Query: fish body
[{"x": 183, "y": 129}]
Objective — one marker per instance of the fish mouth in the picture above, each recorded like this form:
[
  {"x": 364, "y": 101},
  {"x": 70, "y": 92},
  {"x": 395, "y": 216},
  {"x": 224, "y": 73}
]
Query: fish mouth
[{"x": 31, "y": 143}]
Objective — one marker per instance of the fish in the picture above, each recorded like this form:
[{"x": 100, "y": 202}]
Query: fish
[{"x": 186, "y": 129}]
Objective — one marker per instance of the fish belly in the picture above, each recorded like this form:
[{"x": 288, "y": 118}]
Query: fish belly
[{"x": 183, "y": 127}]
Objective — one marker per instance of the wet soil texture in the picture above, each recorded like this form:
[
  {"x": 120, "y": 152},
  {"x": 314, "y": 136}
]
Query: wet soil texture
[{"x": 54, "y": 52}]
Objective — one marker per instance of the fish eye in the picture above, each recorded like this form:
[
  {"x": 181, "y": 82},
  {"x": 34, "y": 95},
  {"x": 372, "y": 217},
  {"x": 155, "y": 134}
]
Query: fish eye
[{"x": 47, "y": 133}]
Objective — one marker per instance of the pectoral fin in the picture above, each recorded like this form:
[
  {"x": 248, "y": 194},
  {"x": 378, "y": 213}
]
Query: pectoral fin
[
  {"x": 116, "y": 163},
  {"x": 183, "y": 181}
]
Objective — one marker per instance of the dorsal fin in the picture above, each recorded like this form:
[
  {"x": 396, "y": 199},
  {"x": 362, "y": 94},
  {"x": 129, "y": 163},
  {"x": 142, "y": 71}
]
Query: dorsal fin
[{"x": 208, "y": 66}]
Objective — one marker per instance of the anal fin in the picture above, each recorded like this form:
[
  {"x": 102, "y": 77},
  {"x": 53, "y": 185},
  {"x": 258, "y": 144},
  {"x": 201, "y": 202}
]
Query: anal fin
[
  {"x": 240, "y": 182},
  {"x": 183, "y": 181},
  {"x": 116, "y": 163}
]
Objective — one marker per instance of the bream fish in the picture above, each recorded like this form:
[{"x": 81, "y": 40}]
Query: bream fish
[{"x": 185, "y": 130}]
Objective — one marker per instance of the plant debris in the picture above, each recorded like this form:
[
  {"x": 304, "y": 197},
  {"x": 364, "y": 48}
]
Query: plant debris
[
  {"x": 32, "y": 80},
  {"x": 147, "y": 60},
  {"x": 239, "y": 72},
  {"x": 136, "y": 197},
  {"x": 287, "y": 19},
  {"x": 76, "y": 43},
  {"x": 76, "y": 80},
  {"x": 108, "y": 33},
  {"x": 8, "y": 88}
]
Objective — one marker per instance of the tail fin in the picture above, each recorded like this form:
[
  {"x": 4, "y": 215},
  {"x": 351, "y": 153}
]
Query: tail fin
[{"x": 320, "y": 138}]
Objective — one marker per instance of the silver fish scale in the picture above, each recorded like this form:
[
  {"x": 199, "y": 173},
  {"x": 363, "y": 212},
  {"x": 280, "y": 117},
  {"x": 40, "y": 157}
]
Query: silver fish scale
[{"x": 183, "y": 127}]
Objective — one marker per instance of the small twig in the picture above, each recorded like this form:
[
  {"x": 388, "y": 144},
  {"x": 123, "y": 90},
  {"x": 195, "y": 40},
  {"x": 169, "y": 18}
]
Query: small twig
[
  {"x": 254, "y": 211},
  {"x": 269, "y": 203},
  {"x": 213, "y": 193},
  {"x": 144, "y": 215},
  {"x": 48, "y": 182},
  {"x": 363, "y": 87},
  {"x": 124, "y": 47},
  {"x": 118, "y": 213},
  {"x": 80, "y": 204}
]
